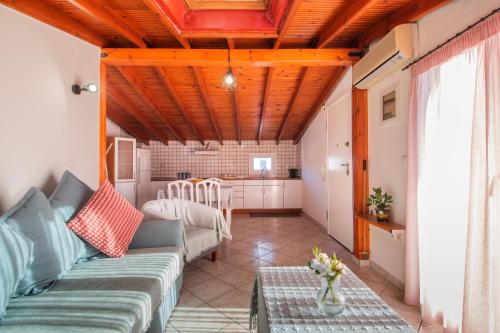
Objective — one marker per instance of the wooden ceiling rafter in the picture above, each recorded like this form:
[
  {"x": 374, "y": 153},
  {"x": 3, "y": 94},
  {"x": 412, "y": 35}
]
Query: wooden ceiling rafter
[
  {"x": 100, "y": 11},
  {"x": 291, "y": 10},
  {"x": 141, "y": 90},
  {"x": 169, "y": 86},
  {"x": 167, "y": 22},
  {"x": 411, "y": 12},
  {"x": 349, "y": 14},
  {"x": 118, "y": 119},
  {"x": 125, "y": 104},
  {"x": 265, "y": 101},
  {"x": 239, "y": 57},
  {"x": 326, "y": 92},
  {"x": 46, "y": 13},
  {"x": 206, "y": 99},
  {"x": 237, "y": 124},
  {"x": 300, "y": 85}
]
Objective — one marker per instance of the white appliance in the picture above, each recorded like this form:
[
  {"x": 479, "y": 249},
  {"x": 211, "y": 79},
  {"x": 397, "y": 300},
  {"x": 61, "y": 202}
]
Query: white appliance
[
  {"x": 143, "y": 177},
  {"x": 390, "y": 54}
]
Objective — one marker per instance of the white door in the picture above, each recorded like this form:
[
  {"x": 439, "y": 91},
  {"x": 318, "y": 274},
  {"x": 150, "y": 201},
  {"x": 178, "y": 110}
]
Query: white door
[
  {"x": 127, "y": 190},
  {"x": 253, "y": 197},
  {"x": 143, "y": 177},
  {"x": 273, "y": 196},
  {"x": 340, "y": 196},
  {"x": 292, "y": 196}
]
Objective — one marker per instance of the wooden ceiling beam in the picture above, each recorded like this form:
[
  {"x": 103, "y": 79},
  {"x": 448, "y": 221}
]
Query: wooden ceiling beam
[
  {"x": 120, "y": 121},
  {"x": 127, "y": 106},
  {"x": 265, "y": 100},
  {"x": 327, "y": 91},
  {"x": 231, "y": 44},
  {"x": 239, "y": 57},
  {"x": 206, "y": 98},
  {"x": 46, "y": 13},
  {"x": 169, "y": 86},
  {"x": 156, "y": 8},
  {"x": 349, "y": 13},
  {"x": 143, "y": 91},
  {"x": 291, "y": 10},
  {"x": 411, "y": 12},
  {"x": 300, "y": 85},
  {"x": 237, "y": 123},
  {"x": 100, "y": 11}
]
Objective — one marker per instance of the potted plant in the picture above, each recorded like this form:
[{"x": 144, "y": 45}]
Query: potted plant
[{"x": 381, "y": 202}]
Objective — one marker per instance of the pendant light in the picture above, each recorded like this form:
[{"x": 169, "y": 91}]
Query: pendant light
[{"x": 229, "y": 80}]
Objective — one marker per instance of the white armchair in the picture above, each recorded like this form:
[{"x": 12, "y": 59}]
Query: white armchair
[{"x": 204, "y": 226}]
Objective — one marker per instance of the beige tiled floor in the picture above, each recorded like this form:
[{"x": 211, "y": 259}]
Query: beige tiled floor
[{"x": 216, "y": 295}]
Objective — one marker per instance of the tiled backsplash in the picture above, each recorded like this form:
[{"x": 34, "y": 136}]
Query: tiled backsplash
[{"x": 232, "y": 159}]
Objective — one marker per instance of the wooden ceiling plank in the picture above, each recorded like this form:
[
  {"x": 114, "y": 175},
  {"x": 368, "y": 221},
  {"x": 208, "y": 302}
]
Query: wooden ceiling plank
[
  {"x": 349, "y": 13},
  {"x": 169, "y": 86},
  {"x": 300, "y": 85},
  {"x": 127, "y": 106},
  {"x": 156, "y": 8},
  {"x": 329, "y": 88},
  {"x": 120, "y": 121},
  {"x": 132, "y": 78},
  {"x": 206, "y": 98},
  {"x": 231, "y": 44},
  {"x": 239, "y": 57},
  {"x": 291, "y": 10},
  {"x": 265, "y": 100},
  {"x": 100, "y": 11},
  {"x": 46, "y": 13},
  {"x": 411, "y": 12}
]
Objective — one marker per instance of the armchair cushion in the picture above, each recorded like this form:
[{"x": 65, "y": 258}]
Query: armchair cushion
[{"x": 159, "y": 233}]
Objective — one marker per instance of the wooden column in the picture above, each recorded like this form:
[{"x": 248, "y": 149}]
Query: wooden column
[
  {"x": 102, "y": 124},
  {"x": 360, "y": 170}
]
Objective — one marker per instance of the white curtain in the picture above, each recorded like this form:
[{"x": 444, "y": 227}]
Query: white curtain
[{"x": 455, "y": 148}]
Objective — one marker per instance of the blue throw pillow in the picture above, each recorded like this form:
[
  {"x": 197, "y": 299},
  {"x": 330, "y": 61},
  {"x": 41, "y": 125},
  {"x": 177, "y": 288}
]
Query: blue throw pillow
[
  {"x": 16, "y": 252},
  {"x": 67, "y": 200},
  {"x": 54, "y": 251}
]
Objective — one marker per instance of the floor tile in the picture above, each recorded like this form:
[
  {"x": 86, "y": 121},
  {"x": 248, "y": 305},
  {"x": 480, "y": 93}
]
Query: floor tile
[
  {"x": 237, "y": 276},
  {"x": 187, "y": 299},
  {"x": 210, "y": 289},
  {"x": 233, "y": 304},
  {"x": 233, "y": 328},
  {"x": 195, "y": 276}
]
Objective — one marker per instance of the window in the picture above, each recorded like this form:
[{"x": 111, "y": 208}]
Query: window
[{"x": 260, "y": 162}]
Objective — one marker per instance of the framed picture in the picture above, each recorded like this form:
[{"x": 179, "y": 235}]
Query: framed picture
[{"x": 389, "y": 105}]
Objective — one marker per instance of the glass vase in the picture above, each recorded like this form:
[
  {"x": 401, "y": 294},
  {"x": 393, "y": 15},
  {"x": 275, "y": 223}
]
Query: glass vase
[{"x": 330, "y": 300}]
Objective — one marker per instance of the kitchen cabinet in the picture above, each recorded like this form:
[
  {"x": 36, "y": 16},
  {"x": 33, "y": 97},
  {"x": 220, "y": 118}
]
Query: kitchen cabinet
[
  {"x": 253, "y": 197},
  {"x": 273, "y": 196},
  {"x": 292, "y": 193},
  {"x": 121, "y": 166}
]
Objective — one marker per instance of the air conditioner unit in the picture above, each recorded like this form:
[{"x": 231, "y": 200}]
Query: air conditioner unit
[{"x": 390, "y": 54}]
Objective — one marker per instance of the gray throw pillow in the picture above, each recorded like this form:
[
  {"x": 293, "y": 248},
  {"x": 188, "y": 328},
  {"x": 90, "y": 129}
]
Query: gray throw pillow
[
  {"x": 67, "y": 200},
  {"x": 54, "y": 250}
]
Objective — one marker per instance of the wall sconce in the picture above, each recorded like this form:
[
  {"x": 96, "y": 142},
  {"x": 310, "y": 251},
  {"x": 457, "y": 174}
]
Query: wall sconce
[{"x": 91, "y": 88}]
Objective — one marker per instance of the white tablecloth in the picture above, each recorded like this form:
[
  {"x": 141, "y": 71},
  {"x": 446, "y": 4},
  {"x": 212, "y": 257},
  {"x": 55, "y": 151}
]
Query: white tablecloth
[{"x": 284, "y": 300}]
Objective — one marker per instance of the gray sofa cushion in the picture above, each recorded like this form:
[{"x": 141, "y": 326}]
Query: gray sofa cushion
[
  {"x": 67, "y": 200},
  {"x": 104, "y": 295},
  {"x": 54, "y": 249}
]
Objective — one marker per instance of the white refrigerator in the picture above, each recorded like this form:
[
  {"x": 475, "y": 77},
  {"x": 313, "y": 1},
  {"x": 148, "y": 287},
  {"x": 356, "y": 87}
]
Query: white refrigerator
[{"x": 143, "y": 177}]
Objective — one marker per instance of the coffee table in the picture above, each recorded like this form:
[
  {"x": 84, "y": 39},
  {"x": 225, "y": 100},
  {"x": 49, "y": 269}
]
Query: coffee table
[{"x": 284, "y": 300}]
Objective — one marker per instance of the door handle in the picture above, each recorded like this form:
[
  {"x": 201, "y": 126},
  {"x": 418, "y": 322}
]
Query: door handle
[{"x": 346, "y": 165}]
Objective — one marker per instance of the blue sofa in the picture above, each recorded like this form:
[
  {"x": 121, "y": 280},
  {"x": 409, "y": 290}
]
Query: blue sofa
[{"x": 132, "y": 294}]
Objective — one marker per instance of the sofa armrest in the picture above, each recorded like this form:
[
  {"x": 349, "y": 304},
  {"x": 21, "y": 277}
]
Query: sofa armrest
[{"x": 158, "y": 233}]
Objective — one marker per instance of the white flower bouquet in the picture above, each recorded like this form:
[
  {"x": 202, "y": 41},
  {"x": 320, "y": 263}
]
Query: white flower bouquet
[{"x": 329, "y": 269}]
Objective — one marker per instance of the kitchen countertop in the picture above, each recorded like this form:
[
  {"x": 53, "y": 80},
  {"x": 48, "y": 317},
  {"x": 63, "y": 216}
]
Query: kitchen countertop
[{"x": 223, "y": 178}]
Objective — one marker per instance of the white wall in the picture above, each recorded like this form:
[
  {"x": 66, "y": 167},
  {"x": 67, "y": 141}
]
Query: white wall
[
  {"x": 315, "y": 194},
  {"x": 388, "y": 142},
  {"x": 44, "y": 128}
]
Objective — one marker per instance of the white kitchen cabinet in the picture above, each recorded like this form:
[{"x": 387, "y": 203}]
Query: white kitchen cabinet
[
  {"x": 273, "y": 196},
  {"x": 253, "y": 197},
  {"x": 292, "y": 193},
  {"x": 121, "y": 159}
]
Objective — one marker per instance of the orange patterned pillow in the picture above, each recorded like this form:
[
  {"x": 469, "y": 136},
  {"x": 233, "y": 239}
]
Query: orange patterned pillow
[{"x": 107, "y": 221}]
